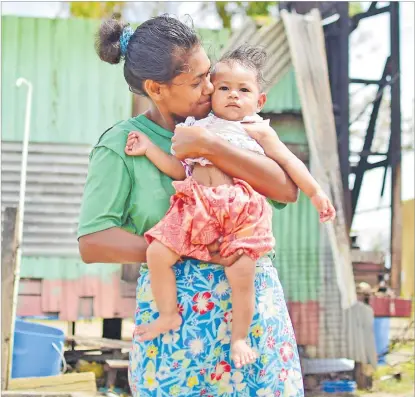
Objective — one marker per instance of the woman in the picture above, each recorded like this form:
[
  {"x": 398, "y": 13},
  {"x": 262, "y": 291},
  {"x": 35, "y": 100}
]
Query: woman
[{"x": 125, "y": 196}]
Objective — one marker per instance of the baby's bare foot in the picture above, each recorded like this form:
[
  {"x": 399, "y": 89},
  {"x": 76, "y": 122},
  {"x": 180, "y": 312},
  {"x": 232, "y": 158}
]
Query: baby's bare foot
[
  {"x": 163, "y": 324},
  {"x": 242, "y": 354}
]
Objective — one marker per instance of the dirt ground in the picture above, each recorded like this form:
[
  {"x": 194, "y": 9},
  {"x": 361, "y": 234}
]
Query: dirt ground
[{"x": 401, "y": 359}]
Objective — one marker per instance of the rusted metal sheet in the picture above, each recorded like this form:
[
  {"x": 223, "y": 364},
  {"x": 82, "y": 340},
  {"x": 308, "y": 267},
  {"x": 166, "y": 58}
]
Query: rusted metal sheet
[
  {"x": 305, "y": 319},
  {"x": 29, "y": 306},
  {"x": 85, "y": 297},
  {"x": 30, "y": 287},
  {"x": 274, "y": 39},
  {"x": 367, "y": 256}
]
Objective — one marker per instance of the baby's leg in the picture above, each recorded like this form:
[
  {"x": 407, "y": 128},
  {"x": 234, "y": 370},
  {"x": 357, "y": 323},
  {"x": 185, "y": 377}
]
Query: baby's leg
[
  {"x": 241, "y": 279},
  {"x": 160, "y": 261}
]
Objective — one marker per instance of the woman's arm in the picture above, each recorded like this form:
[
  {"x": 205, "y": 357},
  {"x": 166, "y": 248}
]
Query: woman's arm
[
  {"x": 113, "y": 245},
  {"x": 100, "y": 237},
  {"x": 107, "y": 188},
  {"x": 262, "y": 173}
]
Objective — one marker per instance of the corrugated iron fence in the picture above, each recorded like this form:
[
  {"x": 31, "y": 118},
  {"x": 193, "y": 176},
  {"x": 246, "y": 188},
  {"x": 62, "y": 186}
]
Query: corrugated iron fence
[{"x": 56, "y": 175}]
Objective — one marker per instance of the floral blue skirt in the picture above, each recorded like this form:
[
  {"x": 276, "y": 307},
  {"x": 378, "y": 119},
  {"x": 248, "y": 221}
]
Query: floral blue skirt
[{"x": 195, "y": 361}]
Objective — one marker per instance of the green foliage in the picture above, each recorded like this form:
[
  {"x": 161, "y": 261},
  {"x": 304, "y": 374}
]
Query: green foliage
[
  {"x": 355, "y": 7},
  {"x": 96, "y": 9},
  {"x": 257, "y": 9},
  {"x": 227, "y": 9}
]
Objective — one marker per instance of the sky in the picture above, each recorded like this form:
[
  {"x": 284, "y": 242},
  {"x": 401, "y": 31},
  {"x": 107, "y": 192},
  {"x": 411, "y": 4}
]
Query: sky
[{"x": 366, "y": 61}]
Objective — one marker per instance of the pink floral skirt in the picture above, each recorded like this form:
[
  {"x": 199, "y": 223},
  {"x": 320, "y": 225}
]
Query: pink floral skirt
[{"x": 199, "y": 215}]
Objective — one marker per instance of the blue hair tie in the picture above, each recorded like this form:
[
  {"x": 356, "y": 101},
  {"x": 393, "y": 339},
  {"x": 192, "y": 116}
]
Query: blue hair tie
[{"x": 126, "y": 34}]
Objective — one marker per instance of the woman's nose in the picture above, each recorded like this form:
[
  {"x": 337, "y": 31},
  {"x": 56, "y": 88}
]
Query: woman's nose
[{"x": 208, "y": 88}]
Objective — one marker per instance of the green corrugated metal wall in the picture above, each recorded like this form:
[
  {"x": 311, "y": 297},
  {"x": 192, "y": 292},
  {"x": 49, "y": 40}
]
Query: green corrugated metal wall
[
  {"x": 55, "y": 268},
  {"x": 297, "y": 236},
  {"x": 213, "y": 41},
  {"x": 283, "y": 97},
  {"x": 297, "y": 228},
  {"x": 75, "y": 95}
]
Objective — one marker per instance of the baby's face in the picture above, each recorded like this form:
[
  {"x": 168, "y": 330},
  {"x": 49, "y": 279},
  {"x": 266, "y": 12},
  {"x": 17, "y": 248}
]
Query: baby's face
[{"x": 237, "y": 93}]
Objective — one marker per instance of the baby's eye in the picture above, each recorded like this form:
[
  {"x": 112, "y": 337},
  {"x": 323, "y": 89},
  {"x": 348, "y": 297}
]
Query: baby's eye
[
  {"x": 223, "y": 88},
  {"x": 245, "y": 90}
]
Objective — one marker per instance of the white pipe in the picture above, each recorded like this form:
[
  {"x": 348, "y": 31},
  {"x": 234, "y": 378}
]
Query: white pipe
[{"x": 20, "y": 210}]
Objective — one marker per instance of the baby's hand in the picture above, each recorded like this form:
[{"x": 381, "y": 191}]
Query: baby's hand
[
  {"x": 137, "y": 144},
  {"x": 324, "y": 206}
]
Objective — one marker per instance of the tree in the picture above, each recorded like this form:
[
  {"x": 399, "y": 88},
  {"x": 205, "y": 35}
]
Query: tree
[
  {"x": 355, "y": 7},
  {"x": 96, "y": 9},
  {"x": 259, "y": 9},
  {"x": 228, "y": 9}
]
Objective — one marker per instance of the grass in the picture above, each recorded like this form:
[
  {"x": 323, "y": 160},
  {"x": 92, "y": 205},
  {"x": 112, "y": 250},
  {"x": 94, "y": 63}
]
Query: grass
[
  {"x": 405, "y": 385},
  {"x": 402, "y": 358}
]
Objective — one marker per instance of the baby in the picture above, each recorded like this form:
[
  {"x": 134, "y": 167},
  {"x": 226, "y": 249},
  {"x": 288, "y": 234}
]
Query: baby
[{"x": 209, "y": 205}]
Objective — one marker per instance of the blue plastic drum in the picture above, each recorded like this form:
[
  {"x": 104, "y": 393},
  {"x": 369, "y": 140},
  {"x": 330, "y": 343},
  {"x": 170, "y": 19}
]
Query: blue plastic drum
[
  {"x": 37, "y": 350},
  {"x": 381, "y": 329}
]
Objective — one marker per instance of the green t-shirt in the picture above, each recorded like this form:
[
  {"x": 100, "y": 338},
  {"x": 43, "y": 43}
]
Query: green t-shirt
[{"x": 125, "y": 191}]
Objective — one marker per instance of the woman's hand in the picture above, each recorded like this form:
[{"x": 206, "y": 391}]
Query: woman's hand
[
  {"x": 190, "y": 142},
  {"x": 216, "y": 258},
  {"x": 264, "y": 174}
]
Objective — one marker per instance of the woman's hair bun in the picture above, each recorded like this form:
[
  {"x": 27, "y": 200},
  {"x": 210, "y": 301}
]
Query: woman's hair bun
[{"x": 107, "y": 41}]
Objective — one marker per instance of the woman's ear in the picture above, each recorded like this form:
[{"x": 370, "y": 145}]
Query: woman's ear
[
  {"x": 261, "y": 101},
  {"x": 153, "y": 90}
]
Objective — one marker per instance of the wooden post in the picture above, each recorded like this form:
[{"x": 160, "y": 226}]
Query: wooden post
[
  {"x": 396, "y": 234},
  {"x": 395, "y": 152},
  {"x": 8, "y": 263}
]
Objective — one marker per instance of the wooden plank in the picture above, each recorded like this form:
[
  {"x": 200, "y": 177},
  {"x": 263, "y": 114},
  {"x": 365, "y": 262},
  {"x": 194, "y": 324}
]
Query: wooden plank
[
  {"x": 306, "y": 41},
  {"x": 396, "y": 237},
  {"x": 99, "y": 342},
  {"x": 29, "y": 393},
  {"x": 396, "y": 151},
  {"x": 82, "y": 382},
  {"x": 8, "y": 264},
  {"x": 117, "y": 364}
]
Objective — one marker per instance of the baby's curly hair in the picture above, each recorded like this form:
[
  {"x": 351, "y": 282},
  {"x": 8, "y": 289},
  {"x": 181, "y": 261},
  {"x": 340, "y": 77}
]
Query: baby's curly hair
[{"x": 252, "y": 57}]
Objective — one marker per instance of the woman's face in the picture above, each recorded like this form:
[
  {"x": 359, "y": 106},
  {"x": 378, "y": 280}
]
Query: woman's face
[{"x": 189, "y": 93}]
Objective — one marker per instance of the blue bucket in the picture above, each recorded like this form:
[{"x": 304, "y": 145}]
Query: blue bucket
[
  {"x": 37, "y": 350},
  {"x": 381, "y": 328}
]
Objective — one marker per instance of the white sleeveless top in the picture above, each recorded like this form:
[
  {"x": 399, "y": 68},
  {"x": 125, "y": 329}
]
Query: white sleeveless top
[{"x": 231, "y": 131}]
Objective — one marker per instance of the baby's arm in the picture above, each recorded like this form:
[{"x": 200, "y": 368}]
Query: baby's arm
[
  {"x": 139, "y": 144},
  {"x": 298, "y": 172}
]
